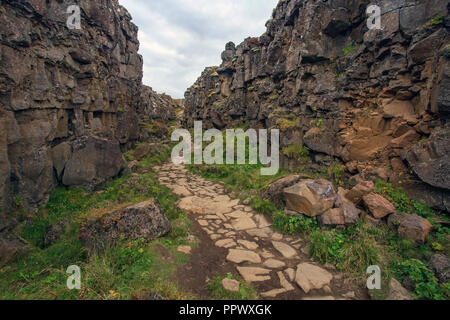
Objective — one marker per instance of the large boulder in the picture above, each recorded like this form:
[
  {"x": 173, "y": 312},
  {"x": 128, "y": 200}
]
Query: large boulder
[
  {"x": 310, "y": 197},
  {"x": 410, "y": 226},
  {"x": 93, "y": 161},
  {"x": 142, "y": 220},
  {"x": 378, "y": 206},
  {"x": 274, "y": 192}
]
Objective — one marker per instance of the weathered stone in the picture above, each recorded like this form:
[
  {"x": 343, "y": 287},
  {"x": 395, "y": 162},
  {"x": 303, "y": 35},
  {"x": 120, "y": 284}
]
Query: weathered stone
[
  {"x": 273, "y": 293},
  {"x": 251, "y": 274},
  {"x": 286, "y": 250},
  {"x": 243, "y": 224},
  {"x": 332, "y": 217},
  {"x": 359, "y": 191},
  {"x": 378, "y": 206},
  {"x": 231, "y": 285},
  {"x": 310, "y": 197},
  {"x": 93, "y": 162},
  {"x": 440, "y": 264},
  {"x": 397, "y": 292},
  {"x": 274, "y": 192},
  {"x": 310, "y": 277},
  {"x": 197, "y": 205},
  {"x": 239, "y": 256},
  {"x": 225, "y": 243},
  {"x": 142, "y": 220},
  {"x": 414, "y": 227},
  {"x": 274, "y": 264},
  {"x": 430, "y": 160},
  {"x": 250, "y": 245}
]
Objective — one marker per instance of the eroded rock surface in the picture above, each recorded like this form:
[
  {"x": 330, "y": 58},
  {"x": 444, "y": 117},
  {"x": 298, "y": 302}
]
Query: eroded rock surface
[{"x": 349, "y": 94}]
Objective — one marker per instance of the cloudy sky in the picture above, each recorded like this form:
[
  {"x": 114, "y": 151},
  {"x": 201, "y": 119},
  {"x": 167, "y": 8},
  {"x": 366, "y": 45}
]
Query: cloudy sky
[{"x": 179, "y": 38}]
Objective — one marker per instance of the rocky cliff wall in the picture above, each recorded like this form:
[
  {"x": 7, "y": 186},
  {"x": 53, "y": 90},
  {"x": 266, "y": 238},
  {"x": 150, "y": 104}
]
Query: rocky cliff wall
[
  {"x": 69, "y": 99},
  {"x": 374, "y": 100}
]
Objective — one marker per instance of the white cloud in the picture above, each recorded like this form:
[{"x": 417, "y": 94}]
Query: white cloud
[{"x": 179, "y": 38}]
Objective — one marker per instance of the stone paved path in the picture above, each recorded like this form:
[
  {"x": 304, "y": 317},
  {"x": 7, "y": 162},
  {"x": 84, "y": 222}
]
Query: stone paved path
[{"x": 260, "y": 254}]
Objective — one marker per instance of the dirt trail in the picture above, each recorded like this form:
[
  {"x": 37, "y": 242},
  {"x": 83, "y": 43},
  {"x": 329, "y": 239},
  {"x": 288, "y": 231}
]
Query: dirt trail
[{"x": 234, "y": 238}]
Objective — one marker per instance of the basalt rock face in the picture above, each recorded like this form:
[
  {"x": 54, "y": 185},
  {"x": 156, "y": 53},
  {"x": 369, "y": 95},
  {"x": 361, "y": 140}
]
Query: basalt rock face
[
  {"x": 370, "y": 99},
  {"x": 69, "y": 99}
]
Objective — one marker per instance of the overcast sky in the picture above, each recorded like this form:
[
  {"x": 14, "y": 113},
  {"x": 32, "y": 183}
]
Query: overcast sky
[{"x": 180, "y": 38}]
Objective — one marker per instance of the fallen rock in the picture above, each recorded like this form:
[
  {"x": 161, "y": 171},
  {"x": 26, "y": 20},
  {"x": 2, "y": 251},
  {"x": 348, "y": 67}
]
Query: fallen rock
[
  {"x": 310, "y": 277},
  {"x": 310, "y": 197},
  {"x": 239, "y": 256},
  {"x": 362, "y": 189},
  {"x": 414, "y": 227},
  {"x": 274, "y": 192},
  {"x": 397, "y": 292},
  {"x": 351, "y": 213},
  {"x": 142, "y": 220},
  {"x": 231, "y": 285},
  {"x": 440, "y": 264},
  {"x": 378, "y": 206},
  {"x": 332, "y": 217}
]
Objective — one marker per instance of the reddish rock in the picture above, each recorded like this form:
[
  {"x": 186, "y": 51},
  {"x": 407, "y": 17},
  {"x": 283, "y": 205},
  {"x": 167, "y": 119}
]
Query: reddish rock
[
  {"x": 332, "y": 217},
  {"x": 414, "y": 227},
  {"x": 310, "y": 197},
  {"x": 359, "y": 191},
  {"x": 378, "y": 206}
]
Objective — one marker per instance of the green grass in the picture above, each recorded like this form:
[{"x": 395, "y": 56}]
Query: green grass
[
  {"x": 439, "y": 19},
  {"x": 349, "y": 49},
  {"x": 129, "y": 270},
  {"x": 246, "y": 292},
  {"x": 296, "y": 151}
]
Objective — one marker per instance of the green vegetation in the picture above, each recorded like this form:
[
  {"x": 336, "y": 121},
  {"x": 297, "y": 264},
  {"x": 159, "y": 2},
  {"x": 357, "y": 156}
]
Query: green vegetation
[
  {"x": 349, "y": 49},
  {"x": 287, "y": 124},
  {"x": 246, "y": 292},
  {"x": 296, "y": 151},
  {"x": 439, "y": 19},
  {"x": 275, "y": 95},
  {"x": 425, "y": 282},
  {"x": 130, "y": 270}
]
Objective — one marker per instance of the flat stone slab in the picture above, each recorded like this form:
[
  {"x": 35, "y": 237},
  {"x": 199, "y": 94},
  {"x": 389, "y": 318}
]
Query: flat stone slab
[
  {"x": 286, "y": 250},
  {"x": 248, "y": 244},
  {"x": 225, "y": 243},
  {"x": 310, "y": 277},
  {"x": 273, "y": 293},
  {"x": 261, "y": 233},
  {"x": 262, "y": 221},
  {"x": 202, "y": 206},
  {"x": 284, "y": 283},
  {"x": 239, "y": 256},
  {"x": 180, "y": 191},
  {"x": 243, "y": 224},
  {"x": 274, "y": 264},
  {"x": 252, "y": 274}
]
